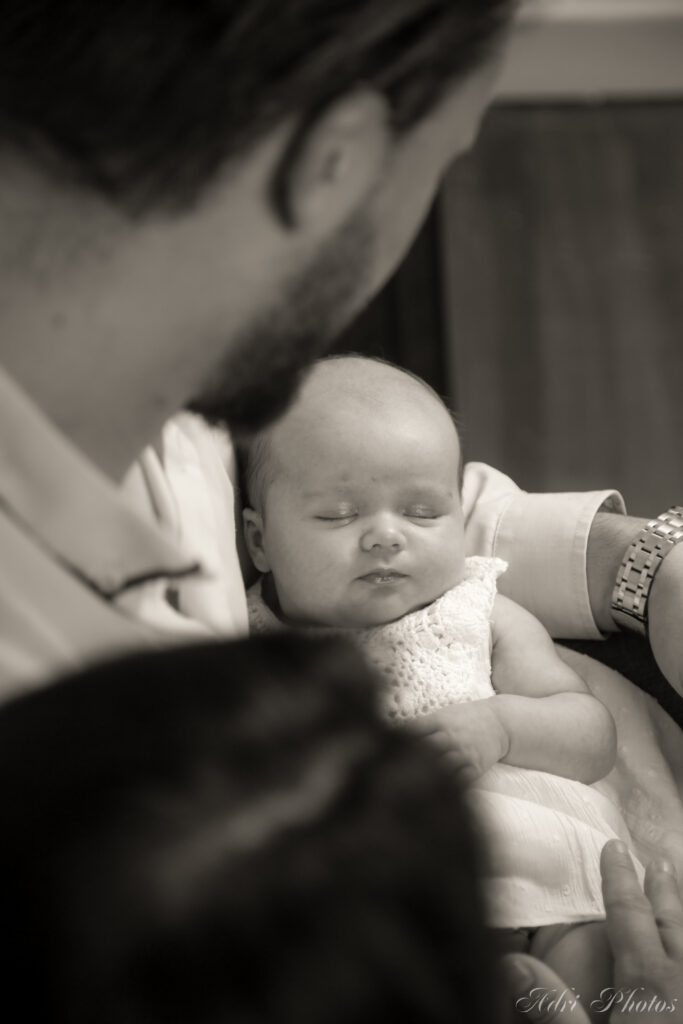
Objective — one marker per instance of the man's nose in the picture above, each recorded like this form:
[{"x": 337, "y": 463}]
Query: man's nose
[{"x": 382, "y": 536}]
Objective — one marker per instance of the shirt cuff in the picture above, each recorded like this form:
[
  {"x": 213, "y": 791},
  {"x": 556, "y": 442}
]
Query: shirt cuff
[{"x": 544, "y": 538}]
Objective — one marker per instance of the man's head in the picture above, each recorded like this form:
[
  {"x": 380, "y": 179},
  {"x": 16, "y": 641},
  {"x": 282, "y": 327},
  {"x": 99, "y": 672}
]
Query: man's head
[
  {"x": 233, "y": 833},
  {"x": 355, "y": 495},
  {"x": 148, "y": 101},
  {"x": 239, "y": 179}
]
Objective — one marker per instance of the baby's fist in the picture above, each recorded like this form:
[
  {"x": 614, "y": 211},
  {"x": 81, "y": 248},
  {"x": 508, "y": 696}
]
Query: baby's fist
[{"x": 471, "y": 736}]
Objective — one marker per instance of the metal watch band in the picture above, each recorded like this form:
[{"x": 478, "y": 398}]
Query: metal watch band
[{"x": 640, "y": 566}]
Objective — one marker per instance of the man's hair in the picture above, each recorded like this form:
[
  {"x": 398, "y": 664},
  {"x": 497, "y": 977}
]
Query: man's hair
[
  {"x": 231, "y": 832},
  {"x": 146, "y": 99}
]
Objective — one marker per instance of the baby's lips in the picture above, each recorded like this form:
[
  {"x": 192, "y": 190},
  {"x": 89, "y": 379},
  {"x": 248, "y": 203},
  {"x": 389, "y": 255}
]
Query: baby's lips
[{"x": 379, "y": 575}]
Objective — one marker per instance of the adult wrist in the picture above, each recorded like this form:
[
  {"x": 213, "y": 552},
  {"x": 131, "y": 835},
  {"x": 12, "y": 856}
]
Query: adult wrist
[
  {"x": 640, "y": 567},
  {"x": 609, "y": 539}
]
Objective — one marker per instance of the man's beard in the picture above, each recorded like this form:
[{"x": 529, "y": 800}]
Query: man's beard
[{"x": 263, "y": 368}]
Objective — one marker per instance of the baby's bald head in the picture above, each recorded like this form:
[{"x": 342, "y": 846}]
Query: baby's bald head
[
  {"x": 348, "y": 388},
  {"x": 356, "y": 516}
]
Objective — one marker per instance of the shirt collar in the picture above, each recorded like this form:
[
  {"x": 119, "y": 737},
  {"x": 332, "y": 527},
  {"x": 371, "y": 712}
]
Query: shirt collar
[{"x": 72, "y": 509}]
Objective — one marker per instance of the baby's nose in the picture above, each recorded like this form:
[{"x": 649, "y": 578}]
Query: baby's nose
[{"x": 382, "y": 537}]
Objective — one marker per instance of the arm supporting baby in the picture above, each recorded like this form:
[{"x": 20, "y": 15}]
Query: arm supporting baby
[
  {"x": 553, "y": 723},
  {"x": 542, "y": 716}
]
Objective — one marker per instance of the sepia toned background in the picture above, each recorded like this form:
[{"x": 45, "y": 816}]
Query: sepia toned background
[{"x": 544, "y": 298}]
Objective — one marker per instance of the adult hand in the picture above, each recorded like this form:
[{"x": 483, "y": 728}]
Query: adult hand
[
  {"x": 470, "y": 734},
  {"x": 645, "y": 930},
  {"x": 537, "y": 995}
]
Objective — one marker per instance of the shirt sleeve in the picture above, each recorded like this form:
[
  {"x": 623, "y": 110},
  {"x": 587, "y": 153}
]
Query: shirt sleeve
[{"x": 544, "y": 539}]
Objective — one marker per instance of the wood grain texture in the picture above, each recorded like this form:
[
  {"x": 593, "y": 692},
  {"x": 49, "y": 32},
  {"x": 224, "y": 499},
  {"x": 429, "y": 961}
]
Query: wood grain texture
[{"x": 562, "y": 250}]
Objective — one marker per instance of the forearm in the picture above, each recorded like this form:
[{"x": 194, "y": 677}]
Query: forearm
[
  {"x": 609, "y": 537},
  {"x": 568, "y": 734}
]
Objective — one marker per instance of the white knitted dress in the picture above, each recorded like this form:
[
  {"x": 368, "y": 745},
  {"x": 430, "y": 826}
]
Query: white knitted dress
[{"x": 544, "y": 832}]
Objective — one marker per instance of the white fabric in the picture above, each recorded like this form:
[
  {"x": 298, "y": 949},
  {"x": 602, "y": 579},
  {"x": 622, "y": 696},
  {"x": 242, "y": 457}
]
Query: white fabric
[
  {"x": 441, "y": 654},
  {"x": 72, "y": 549},
  {"x": 544, "y": 538},
  {"x": 193, "y": 497},
  {"x": 87, "y": 567},
  {"x": 544, "y": 832},
  {"x": 544, "y": 836}
]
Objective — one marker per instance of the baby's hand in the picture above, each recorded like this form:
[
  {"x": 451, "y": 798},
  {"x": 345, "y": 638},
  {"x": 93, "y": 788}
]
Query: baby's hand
[{"x": 471, "y": 735}]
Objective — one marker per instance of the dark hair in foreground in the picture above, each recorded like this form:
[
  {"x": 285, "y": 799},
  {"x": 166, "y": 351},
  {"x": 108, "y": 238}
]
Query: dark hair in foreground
[
  {"x": 231, "y": 833},
  {"x": 146, "y": 99}
]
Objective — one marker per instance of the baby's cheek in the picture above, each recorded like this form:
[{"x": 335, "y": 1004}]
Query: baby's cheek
[
  {"x": 313, "y": 569},
  {"x": 324, "y": 573},
  {"x": 448, "y": 567},
  {"x": 299, "y": 596},
  {"x": 290, "y": 570}
]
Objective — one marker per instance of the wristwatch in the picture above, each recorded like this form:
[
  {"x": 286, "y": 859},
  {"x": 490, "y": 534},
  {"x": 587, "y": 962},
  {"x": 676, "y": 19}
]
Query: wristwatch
[{"x": 640, "y": 566}]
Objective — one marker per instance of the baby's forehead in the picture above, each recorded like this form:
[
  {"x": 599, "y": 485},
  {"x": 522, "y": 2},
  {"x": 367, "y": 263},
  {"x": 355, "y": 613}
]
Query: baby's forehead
[
  {"x": 360, "y": 425},
  {"x": 352, "y": 406},
  {"x": 364, "y": 381},
  {"x": 350, "y": 437},
  {"x": 366, "y": 389}
]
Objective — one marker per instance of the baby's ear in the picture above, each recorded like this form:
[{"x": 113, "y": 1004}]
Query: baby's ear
[{"x": 253, "y": 536}]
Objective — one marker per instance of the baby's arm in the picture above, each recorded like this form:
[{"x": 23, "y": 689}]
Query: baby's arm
[{"x": 551, "y": 720}]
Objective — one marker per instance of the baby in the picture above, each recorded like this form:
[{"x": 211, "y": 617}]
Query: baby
[{"x": 356, "y": 523}]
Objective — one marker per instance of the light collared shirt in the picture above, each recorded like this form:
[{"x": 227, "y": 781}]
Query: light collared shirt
[
  {"x": 89, "y": 568},
  {"x": 544, "y": 540}
]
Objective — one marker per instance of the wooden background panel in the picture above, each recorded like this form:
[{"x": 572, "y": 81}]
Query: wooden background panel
[
  {"x": 404, "y": 323},
  {"x": 562, "y": 264},
  {"x": 566, "y": 49}
]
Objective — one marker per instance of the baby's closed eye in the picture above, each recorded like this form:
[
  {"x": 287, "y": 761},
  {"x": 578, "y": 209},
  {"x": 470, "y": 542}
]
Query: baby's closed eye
[
  {"x": 342, "y": 514},
  {"x": 421, "y": 512}
]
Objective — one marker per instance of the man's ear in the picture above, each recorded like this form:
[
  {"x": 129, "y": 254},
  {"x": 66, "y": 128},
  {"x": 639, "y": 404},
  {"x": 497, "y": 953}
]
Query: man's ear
[
  {"x": 334, "y": 161},
  {"x": 253, "y": 536}
]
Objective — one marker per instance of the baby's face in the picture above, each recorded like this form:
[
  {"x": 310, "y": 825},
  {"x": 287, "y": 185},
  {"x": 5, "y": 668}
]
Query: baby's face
[{"x": 362, "y": 522}]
